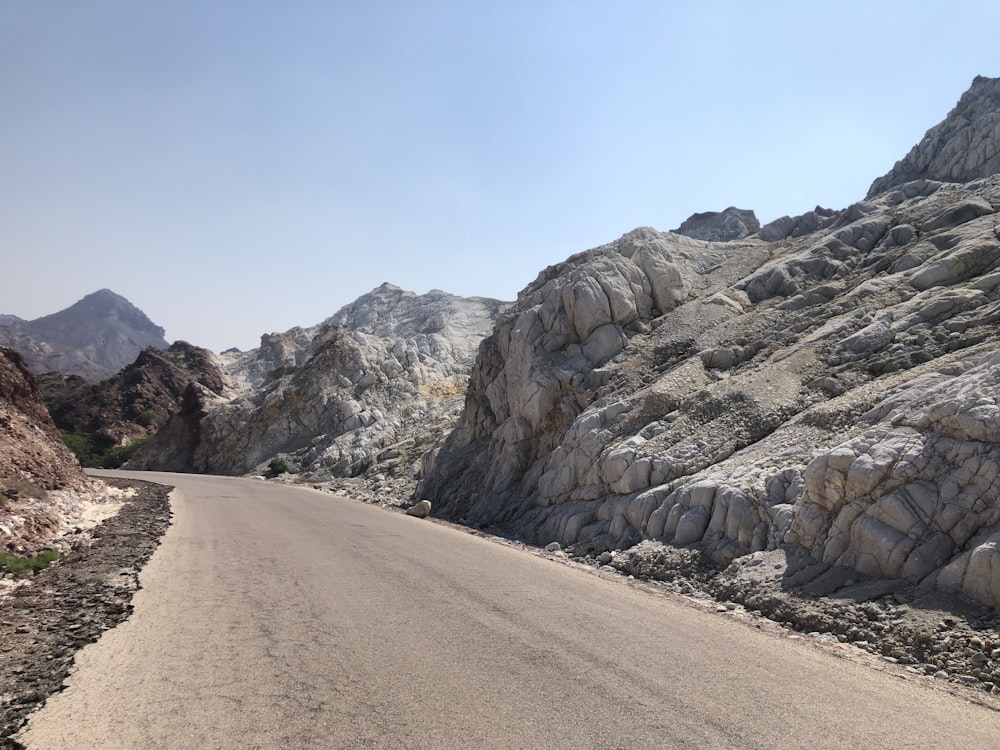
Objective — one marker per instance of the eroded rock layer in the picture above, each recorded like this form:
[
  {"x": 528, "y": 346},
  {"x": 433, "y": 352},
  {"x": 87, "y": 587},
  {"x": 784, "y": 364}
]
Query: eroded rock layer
[
  {"x": 833, "y": 390},
  {"x": 964, "y": 146}
]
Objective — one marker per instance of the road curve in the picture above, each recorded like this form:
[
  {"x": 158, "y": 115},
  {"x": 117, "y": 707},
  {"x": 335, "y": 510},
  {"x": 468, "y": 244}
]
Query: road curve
[{"x": 281, "y": 617}]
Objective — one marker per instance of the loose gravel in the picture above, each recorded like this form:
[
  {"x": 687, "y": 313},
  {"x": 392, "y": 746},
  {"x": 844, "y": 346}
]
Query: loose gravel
[{"x": 71, "y": 603}]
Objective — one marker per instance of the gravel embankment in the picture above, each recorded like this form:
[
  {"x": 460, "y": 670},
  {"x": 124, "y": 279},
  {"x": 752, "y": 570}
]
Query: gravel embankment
[{"x": 70, "y": 604}]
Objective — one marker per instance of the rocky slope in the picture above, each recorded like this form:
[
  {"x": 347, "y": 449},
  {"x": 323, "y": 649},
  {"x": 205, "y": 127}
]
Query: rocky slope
[
  {"x": 94, "y": 338},
  {"x": 364, "y": 393},
  {"x": 32, "y": 450},
  {"x": 136, "y": 401},
  {"x": 963, "y": 147},
  {"x": 43, "y": 490},
  {"x": 825, "y": 388}
]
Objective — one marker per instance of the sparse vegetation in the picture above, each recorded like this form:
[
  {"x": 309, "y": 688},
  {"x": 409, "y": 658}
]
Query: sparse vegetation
[
  {"x": 82, "y": 446},
  {"x": 116, "y": 456},
  {"x": 148, "y": 418},
  {"x": 22, "y": 566},
  {"x": 276, "y": 467},
  {"x": 90, "y": 455}
]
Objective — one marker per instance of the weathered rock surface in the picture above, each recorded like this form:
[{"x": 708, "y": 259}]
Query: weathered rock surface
[
  {"x": 364, "y": 393},
  {"x": 94, "y": 338},
  {"x": 797, "y": 226},
  {"x": 962, "y": 148},
  {"x": 720, "y": 226},
  {"x": 30, "y": 446},
  {"x": 43, "y": 491},
  {"x": 136, "y": 401},
  {"x": 420, "y": 509},
  {"x": 829, "y": 392},
  {"x": 244, "y": 371}
]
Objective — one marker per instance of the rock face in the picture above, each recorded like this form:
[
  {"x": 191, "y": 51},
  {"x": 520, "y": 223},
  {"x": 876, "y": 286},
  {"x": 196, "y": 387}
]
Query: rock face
[
  {"x": 720, "y": 226},
  {"x": 962, "y": 148},
  {"x": 830, "y": 392},
  {"x": 94, "y": 338},
  {"x": 43, "y": 491},
  {"x": 30, "y": 448},
  {"x": 136, "y": 401},
  {"x": 244, "y": 371},
  {"x": 364, "y": 393}
]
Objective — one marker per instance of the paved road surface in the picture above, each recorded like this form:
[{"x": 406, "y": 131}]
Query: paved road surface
[{"x": 275, "y": 617}]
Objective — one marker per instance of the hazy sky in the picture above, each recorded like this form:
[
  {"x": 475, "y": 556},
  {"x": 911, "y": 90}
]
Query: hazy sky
[{"x": 236, "y": 167}]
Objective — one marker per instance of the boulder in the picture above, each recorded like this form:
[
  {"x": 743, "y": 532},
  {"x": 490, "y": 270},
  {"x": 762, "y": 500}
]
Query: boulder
[
  {"x": 420, "y": 509},
  {"x": 720, "y": 226}
]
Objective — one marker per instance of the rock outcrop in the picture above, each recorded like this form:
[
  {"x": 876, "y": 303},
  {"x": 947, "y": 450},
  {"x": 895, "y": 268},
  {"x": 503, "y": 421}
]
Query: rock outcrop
[
  {"x": 830, "y": 391},
  {"x": 32, "y": 451},
  {"x": 962, "y": 148},
  {"x": 364, "y": 393},
  {"x": 720, "y": 226},
  {"x": 136, "y": 401},
  {"x": 244, "y": 371},
  {"x": 94, "y": 338},
  {"x": 43, "y": 491}
]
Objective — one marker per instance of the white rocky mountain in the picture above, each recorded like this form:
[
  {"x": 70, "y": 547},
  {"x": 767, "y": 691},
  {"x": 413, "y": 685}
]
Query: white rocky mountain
[
  {"x": 826, "y": 386},
  {"x": 363, "y": 393}
]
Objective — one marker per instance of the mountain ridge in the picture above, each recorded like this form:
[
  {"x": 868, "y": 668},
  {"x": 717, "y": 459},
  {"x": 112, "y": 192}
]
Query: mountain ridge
[
  {"x": 362, "y": 393},
  {"x": 94, "y": 337},
  {"x": 963, "y": 147}
]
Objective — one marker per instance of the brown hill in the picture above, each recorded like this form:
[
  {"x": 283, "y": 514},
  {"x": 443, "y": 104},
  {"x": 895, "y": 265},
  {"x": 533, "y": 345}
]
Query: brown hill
[{"x": 134, "y": 402}]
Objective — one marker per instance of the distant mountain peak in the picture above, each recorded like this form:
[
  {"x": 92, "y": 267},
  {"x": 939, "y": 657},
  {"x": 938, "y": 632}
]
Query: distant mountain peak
[
  {"x": 105, "y": 303},
  {"x": 95, "y": 337}
]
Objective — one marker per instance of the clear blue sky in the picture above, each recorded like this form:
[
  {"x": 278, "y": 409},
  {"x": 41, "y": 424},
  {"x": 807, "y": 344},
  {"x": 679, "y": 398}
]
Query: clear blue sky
[{"x": 236, "y": 167}]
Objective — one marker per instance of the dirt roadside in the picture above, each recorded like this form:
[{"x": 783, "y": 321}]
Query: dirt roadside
[{"x": 71, "y": 603}]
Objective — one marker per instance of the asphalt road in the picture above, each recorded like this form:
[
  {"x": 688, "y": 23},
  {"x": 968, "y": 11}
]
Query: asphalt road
[{"x": 280, "y": 617}]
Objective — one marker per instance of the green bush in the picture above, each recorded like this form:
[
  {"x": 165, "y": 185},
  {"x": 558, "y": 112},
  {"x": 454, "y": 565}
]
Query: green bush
[
  {"x": 20, "y": 566},
  {"x": 115, "y": 457},
  {"x": 82, "y": 446},
  {"x": 276, "y": 467}
]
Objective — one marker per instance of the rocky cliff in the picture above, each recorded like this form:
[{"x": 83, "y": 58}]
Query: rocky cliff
[
  {"x": 134, "y": 402},
  {"x": 965, "y": 146},
  {"x": 826, "y": 387},
  {"x": 364, "y": 393},
  {"x": 94, "y": 338},
  {"x": 43, "y": 491},
  {"x": 32, "y": 452}
]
